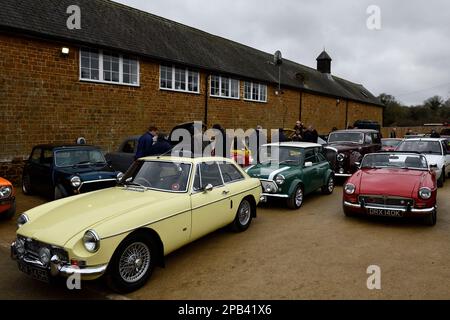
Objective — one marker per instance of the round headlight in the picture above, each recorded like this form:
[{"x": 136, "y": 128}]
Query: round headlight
[
  {"x": 91, "y": 241},
  {"x": 20, "y": 246},
  {"x": 340, "y": 157},
  {"x": 119, "y": 176},
  {"x": 22, "y": 219},
  {"x": 44, "y": 256},
  {"x": 425, "y": 193},
  {"x": 75, "y": 181},
  {"x": 5, "y": 192},
  {"x": 279, "y": 179},
  {"x": 349, "y": 188}
]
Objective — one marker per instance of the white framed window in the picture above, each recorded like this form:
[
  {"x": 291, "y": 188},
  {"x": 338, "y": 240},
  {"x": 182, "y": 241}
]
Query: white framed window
[
  {"x": 108, "y": 67},
  {"x": 255, "y": 91},
  {"x": 224, "y": 87},
  {"x": 179, "y": 79}
]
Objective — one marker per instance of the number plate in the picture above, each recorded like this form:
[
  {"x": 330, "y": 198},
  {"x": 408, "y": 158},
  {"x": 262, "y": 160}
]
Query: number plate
[
  {"x": 33, "y": 272},
  {"x": 385, "y": 213}
]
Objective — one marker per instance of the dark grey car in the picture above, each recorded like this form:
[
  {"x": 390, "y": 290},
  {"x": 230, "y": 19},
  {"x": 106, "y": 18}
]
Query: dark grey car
[{"x": 123, "y": 158}]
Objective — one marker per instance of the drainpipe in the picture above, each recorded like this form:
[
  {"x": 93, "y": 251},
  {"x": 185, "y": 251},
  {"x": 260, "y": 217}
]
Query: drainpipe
[
  {"x": 206, "y": 100},
  {"x": 346, "y": 114},
  {"x": 300, "y": 107}
]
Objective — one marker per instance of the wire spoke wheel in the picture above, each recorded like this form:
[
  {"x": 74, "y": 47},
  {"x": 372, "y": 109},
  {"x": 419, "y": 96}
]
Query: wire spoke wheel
[
  {"x": 244, "y": 213},
  {"x": 134, "y": 262}
]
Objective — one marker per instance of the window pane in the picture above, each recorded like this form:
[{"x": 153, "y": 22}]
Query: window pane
[
  {"x": 180, "y": 79},
  {"x": 197, "y": 180},
  {"x": 263, "y": 96},
  {"x": 89, "y": 64},
  {"x": 255, "y": 92},
  {"x": 95, "y": 74},
  {"x": 248, "y": 90},
  {"x": 234, "y": 88},
  {"x": 225, "y": 89},
  {"x": 115, "y": 77},
  {"x": 193, "y": 81},
  {"x": 85, "y": 73},
  {"x": 134, "y": 79},
  {"x": 215, "y": 85},
  {"x": 210, "y": 174},
  {"x": 166, "y": 77},
  {"x": 230, "y": 173}
]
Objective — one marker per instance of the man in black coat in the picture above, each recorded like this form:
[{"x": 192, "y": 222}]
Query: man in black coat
[{"x": 145, "y": 143}]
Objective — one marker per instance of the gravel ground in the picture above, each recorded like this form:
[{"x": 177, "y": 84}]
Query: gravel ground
[{"x": 313, "y": 253}]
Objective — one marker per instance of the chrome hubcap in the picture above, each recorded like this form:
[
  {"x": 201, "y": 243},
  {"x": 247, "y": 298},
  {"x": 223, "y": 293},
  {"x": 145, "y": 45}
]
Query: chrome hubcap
[
  {"x": 244, "y": 213},
  {"x": 331, "y": 185},
  {"x": 134, "y": 262},
  {"x": 299, "y": 197}
]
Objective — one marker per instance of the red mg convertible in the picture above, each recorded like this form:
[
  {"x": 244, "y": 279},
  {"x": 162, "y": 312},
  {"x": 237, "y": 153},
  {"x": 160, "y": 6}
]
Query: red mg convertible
[{"x": 394, "y": 185}]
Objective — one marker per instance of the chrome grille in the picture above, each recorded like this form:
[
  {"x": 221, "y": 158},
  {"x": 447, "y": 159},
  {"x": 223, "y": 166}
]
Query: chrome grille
[
  {"x": 32, "y": 248},
  {"x": 387, "y": 201}
]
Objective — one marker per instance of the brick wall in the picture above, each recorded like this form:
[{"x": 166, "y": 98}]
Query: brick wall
[{"x": 43, "y": 101}]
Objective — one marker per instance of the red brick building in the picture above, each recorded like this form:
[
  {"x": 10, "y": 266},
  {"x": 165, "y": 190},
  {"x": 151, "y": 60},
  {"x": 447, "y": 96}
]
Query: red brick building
[{"x": 125, "y": 69}]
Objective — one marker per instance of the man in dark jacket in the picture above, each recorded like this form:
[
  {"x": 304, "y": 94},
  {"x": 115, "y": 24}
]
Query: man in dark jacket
[
  {"x": 161, "y": 146},
  {"x": 311, "y": 135},
  {"x": 145, "y": 143}
]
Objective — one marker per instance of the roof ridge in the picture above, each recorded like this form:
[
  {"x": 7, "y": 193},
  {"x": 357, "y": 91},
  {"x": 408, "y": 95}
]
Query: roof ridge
[{"x": 124, "y": 6}]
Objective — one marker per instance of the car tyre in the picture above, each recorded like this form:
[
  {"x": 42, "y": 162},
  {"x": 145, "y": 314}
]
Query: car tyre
[
  {"x": 10, "y": 212},
  {"x": 431, "y": 219},
  {"x": 132, "y": 263},
  {"x": 295, "y": 201},
  {"x": 243, "y": 217},
  {"x": 329, "y": 187},
  {"x": 60, "y": 192},
  {"x": 26, "y": 185}
]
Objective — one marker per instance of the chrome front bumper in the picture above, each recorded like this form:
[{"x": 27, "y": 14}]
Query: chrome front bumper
[
  {"x": 342, "y": 175},
  {"x": 59, "y": 268},
  {"x": 412, "y": 210},
  {"x": 275, "y": 195}
]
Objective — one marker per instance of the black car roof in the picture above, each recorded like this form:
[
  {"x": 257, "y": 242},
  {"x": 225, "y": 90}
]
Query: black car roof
[
  {"x": 357, "y": 130},
  {"x": 66, "y": 146}
]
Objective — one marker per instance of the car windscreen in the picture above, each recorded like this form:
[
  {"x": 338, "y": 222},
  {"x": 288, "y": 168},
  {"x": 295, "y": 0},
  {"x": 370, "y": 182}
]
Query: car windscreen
[
  {"x": 69, "y": 158},
  {"x": 425, "y": 147},
  {"x": 284, "y": 155},
  {"x": 390, "y": 143},
  {"x": 384, "y": 160},
  {"x": 158, "y": 175},
  {"x": 352, "y": 137}
]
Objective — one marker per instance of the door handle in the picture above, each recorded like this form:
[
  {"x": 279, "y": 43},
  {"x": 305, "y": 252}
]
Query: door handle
[{"x": 225, "y": 192}]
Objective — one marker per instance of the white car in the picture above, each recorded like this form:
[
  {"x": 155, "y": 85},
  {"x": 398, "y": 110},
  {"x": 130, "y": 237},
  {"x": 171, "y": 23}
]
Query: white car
[{"x": 436, "y": 150}]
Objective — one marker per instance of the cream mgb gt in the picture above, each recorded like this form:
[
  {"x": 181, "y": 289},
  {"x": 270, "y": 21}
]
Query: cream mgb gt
[{"x": 161, "y": 204}]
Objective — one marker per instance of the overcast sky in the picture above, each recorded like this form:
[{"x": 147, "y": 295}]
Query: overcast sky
[{"x": 408, "y": 57}]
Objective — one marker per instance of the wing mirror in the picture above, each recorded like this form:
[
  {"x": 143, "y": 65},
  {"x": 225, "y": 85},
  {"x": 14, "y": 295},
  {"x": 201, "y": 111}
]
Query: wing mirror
[
  {"x": 208, "y": 188},
  {"x": 308, "y": 164},
  {"x": 358, "y": 165}
]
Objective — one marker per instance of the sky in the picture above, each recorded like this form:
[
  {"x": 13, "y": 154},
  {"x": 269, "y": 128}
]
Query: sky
[{"x": 405, "y": 52}]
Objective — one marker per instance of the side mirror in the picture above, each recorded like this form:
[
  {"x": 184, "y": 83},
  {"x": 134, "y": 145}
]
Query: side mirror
[
  {"x": 358, "y": 165},
  {"x": 209, "y": 187},
  {"x": 308, "y": 164}
]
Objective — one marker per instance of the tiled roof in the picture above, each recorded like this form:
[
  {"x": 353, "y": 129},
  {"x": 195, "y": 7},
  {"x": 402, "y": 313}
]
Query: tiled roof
[{"x": 111, "y": 25}]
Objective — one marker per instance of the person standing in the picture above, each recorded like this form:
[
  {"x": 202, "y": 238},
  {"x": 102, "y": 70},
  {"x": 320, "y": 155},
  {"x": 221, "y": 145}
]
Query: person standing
[
  {"x": 393, "y": 133},
  {"x": 434, "y": 134},
  {"x": 145, "y": 143},
  {"x": 161, "y": 146}
]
